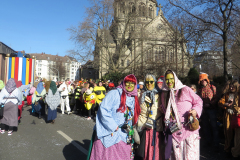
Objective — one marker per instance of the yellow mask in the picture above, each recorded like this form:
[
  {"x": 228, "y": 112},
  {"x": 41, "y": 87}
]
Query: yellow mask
[
  {"x": 150, "y": 83},
  {"x": 170, "y": 81}
]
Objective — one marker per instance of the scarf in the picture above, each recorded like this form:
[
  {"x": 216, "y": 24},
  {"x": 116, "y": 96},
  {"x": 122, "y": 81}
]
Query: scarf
[
  {"x": 40, "y": 88},
  {"x": 1, "y": 84},
  {"x": 53, "y": 87},
  {"x": 129, "y": 94},
  {"x": 10, "y": 86},
  {"x": 171, "y": 102},
  {"x": 152, "y": 92}
]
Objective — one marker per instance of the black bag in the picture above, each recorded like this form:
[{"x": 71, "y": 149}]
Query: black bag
[
  {"x": 1, "y": 111},
  {"x": 64, "y": 97}
]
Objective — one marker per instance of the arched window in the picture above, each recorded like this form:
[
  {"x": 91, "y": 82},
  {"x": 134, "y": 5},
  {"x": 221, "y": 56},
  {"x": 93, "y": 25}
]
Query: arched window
[
  {"x": 150, "y": 12},
  {"x": 128, "y": 62},
  {"x": 142, "y": 9},
  {"x": 122, "y": 8},
  {"x": 131, "y": 7}
]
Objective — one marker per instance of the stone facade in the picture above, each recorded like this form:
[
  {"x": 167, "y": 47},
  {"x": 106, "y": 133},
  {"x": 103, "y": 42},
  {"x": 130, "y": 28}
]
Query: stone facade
[{"x": 141, "y": 41}]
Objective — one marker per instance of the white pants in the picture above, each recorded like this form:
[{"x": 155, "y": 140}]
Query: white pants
[
  {"x": 63, "y": 102},
  {"x": 187, "y": 149}
]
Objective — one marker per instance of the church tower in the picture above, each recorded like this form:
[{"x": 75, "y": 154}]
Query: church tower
[{"x": 145, "y": 9}]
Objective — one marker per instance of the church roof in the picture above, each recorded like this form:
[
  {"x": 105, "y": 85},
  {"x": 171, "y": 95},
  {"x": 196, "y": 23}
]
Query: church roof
[{"x": 154, "y": 1}]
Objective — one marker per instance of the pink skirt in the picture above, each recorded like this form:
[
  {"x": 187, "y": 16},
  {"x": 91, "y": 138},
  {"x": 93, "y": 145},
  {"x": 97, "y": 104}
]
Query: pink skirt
[
  {"x": 119, "y": 151},
  {"x": 149, "y": 149}
]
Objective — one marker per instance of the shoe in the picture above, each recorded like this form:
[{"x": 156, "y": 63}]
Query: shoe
[
  {"x": 89, "y": 118},
  {"x": 62, "y": 112},
  {"x": 69, "y": 113},
  {"x": 10, "y": 133},
  {"x": 39, "y": 117},
  {"x": 2, "y": 131}
]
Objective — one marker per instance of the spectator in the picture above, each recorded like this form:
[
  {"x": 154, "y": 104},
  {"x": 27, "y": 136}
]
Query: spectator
[{"x": 209, "y": 118}]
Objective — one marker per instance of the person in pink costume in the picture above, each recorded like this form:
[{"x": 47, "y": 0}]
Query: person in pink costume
[{"x": 177, "y": 103}]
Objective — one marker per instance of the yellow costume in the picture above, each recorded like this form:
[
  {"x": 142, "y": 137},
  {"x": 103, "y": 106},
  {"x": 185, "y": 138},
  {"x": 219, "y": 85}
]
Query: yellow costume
[
  {"x": 89, "y": 99},
  {"x": 100, "y": 93}
]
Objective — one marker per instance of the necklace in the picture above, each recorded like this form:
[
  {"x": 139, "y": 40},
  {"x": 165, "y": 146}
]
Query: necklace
[{"x": 127, "y": 126}]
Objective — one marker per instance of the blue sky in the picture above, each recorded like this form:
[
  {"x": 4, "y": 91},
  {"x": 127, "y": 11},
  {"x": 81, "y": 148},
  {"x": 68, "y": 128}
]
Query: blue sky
[{"x": 38, "y": 26}]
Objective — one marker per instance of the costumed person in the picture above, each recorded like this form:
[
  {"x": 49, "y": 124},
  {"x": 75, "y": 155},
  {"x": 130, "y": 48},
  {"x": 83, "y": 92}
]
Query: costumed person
[
  {"x": 208, "y": 93},
  {"x": 32, "y": 91},
  {"x": 77, "y": 97},
  {"x": 229, "y": 102},
  {"x": 118, "y": 113},
  {"x": 10, "y": 98},
  {"x": 53, "y": 101},
  {"x": 64, "y": 89},
  {"x": 181, "y": 107},
  {"x": 149, "y": 124},
  {"x": 1, "y": 85},
  {"x": 160, "y": 83},
  {"x": 100, "y": 92},
  {"x": 89, "y": 102},
  {"x": 71, "y": 95},
  {"x": 47, "y": 86},
  {"x": 38, "y": 100},
  {"x": 18, "y": 85},
  {"x": 111, "y": 87}
]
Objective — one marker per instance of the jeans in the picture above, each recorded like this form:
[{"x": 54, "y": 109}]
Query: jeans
[{"x": 209, "y": 126}]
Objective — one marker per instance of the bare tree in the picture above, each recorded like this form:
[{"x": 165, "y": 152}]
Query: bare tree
[{"x": 218, "y": 16}]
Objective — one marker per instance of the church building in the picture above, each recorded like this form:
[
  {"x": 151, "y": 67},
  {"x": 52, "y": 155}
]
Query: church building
[{"x": 140, "y": 41}]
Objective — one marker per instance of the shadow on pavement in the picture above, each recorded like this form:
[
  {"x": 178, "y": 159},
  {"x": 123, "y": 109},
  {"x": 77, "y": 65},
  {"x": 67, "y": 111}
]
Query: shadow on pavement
[{"x": 71, "y": 152}]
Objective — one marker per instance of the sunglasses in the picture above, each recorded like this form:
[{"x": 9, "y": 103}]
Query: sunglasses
[
  {"x": 148, "y": 82},
  {"x": 130, "y": 84}
]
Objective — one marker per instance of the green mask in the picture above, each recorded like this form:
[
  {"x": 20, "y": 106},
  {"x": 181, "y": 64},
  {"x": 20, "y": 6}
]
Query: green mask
[
  {"x": 170, "y": 80},
  {"x": 129, "y": 86}
]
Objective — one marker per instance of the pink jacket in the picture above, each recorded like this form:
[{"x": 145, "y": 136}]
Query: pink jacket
[{"x": 188, "y": 100}]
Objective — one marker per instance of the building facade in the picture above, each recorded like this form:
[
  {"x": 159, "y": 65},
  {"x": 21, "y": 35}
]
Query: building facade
[
  {"x": 4, "y": 49},
  {"x": 140, "y": 40},
  {"x": 53, "y": 66},
  {"x": 211, "y": 62}
]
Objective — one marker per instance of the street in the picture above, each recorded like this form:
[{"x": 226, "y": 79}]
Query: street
[{"x": 68, "y": 138}]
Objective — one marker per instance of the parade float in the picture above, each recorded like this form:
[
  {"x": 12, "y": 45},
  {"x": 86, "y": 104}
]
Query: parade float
[{"x": 19, "y": 67}]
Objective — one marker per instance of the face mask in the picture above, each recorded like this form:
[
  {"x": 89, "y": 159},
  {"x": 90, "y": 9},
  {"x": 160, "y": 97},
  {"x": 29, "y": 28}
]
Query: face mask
[
  {"x": 129, "y": 86},
  {"x": 170, "y": 80}
]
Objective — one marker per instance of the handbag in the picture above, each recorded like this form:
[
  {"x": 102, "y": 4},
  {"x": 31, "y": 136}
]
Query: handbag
[{"x": 235, "y": 122}]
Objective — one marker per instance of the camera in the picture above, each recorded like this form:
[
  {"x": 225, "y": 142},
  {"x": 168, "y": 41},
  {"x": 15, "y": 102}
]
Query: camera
[{"x": 174, "y": 127}]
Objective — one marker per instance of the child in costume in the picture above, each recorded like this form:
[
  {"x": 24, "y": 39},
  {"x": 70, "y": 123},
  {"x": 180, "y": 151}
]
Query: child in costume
[
  {"x": 100, "y": 92},
  {"x": 89, "y": 102},
  {"x": 118, "y": 113}
]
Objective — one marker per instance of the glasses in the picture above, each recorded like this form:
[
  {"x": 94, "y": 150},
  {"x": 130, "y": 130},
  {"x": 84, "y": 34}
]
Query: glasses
[
  {"x": 148, "y": 82},
  {"x": 130, "y": 84}
]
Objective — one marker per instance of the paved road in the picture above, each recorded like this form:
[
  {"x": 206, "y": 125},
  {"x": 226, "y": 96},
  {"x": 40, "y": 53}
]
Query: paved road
[
  {"x": 36, "y": 140},
  {"x": 68, "y": 139}
]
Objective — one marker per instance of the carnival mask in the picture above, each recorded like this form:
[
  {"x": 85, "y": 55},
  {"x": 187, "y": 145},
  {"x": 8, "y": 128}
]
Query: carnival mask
[
  {"x": 129, "y": 86},
  {"x": 150, "y": 83},
  {"x": 170, "y": 82}
]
